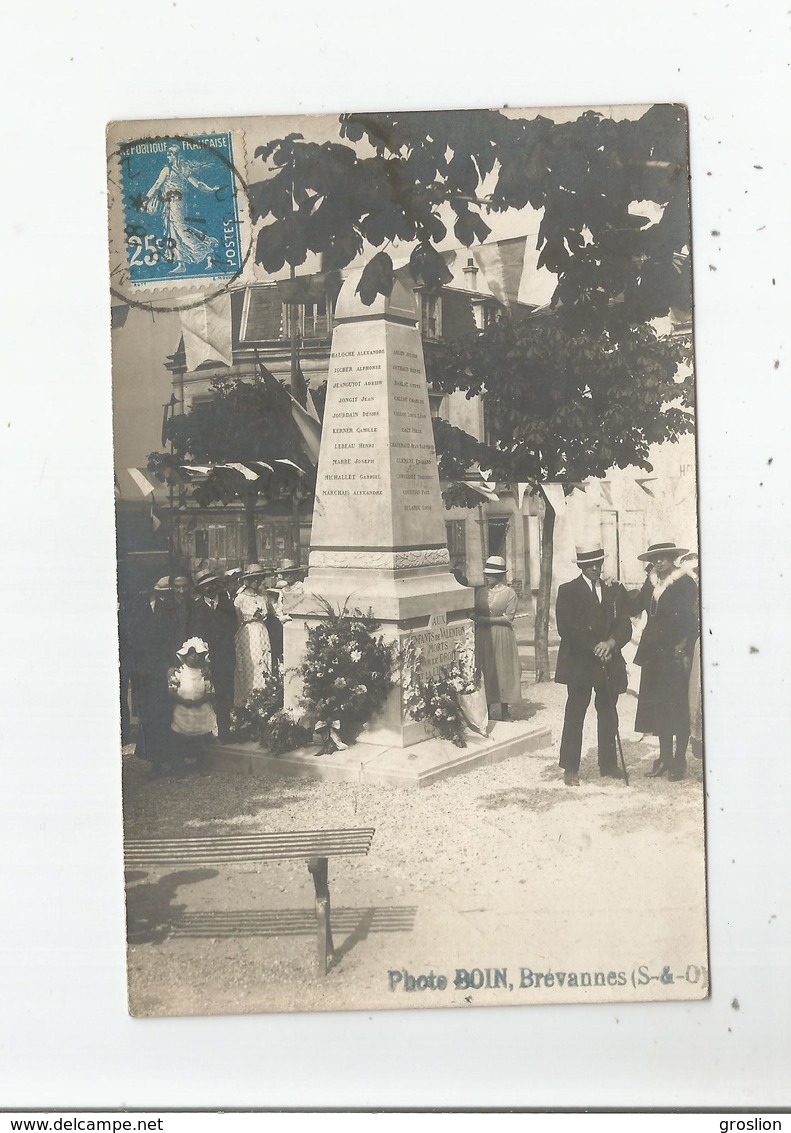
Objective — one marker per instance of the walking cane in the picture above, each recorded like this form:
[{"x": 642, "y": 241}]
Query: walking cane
[{"x": 617, "y": 728}]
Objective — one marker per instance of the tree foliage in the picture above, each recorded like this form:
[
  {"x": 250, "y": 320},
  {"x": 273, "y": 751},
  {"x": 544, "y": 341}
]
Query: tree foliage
[
  {"x": 242, "y": 421},
  {"x": 417, "y": 177},
  {"x": 562, "y": 406}
]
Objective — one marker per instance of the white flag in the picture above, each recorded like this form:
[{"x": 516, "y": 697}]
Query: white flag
[
  {"x": 556, "y": 497},
  {"x": 142, "y": 481},
  {"x": 206, "y": 330}
]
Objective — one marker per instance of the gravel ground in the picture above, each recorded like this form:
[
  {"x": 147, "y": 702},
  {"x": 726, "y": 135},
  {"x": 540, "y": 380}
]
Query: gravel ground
[{"x": 503, "y": 866}]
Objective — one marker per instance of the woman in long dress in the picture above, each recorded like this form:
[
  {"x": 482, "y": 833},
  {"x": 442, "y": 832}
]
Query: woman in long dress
[
  {"x": 496, "y": 651},
  {"x": 253, "y": 651},
  {"x": 669, "y": 597}
]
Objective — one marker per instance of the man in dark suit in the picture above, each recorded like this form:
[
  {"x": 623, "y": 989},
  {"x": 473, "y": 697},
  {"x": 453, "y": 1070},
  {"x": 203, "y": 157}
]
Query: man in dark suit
[{"x": 594, "y": 624}]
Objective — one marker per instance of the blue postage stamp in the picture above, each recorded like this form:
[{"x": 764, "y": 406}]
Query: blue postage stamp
[{"x": 181, "y": 213}]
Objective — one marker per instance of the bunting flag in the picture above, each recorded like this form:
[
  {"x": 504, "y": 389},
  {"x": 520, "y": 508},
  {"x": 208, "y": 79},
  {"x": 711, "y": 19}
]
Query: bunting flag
[
  {"x": 642, "y": 484},
  {"x": 502, "y": 264},
  {"x": 555, "y": 497},
  {"x": 141, "y": 480},
  {"x": 606, "y": 491},
  {"x": 117, "y": 486},
  {"x": 483, "y": 489},
  {"x": 309, "y": 430},
  {"x": 262, "y": 465},
  {"x": 206, "y": 330},
  {"x": 520, "y": 493}
]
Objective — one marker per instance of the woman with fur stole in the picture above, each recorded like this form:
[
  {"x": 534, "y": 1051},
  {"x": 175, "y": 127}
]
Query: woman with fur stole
[{"x": 669, "y": 597}]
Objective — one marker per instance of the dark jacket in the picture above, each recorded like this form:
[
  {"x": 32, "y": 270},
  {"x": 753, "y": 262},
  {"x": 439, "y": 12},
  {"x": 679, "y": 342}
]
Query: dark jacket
[
  {"x": 665, "y": 654},
  {"x": 672, "y": 627},
  {"x": 582, "y": 623}
]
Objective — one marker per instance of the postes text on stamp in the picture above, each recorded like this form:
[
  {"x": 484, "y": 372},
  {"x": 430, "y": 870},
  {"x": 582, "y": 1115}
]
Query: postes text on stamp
[{"x": 180, "y": 209}]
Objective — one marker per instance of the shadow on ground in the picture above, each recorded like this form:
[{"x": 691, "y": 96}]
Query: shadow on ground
[
  {"x": 524, "y": 709},
  {"x": 150, "y": 912}
]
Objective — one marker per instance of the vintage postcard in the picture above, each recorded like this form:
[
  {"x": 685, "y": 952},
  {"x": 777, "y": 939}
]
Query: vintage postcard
[{"x": 404, "y": 425}]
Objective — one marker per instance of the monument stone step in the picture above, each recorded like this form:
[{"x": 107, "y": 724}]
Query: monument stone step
[{"x": 420, "y": 765}]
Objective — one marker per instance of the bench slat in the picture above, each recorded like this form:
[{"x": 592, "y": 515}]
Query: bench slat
[{"x": 231, "y": 848}]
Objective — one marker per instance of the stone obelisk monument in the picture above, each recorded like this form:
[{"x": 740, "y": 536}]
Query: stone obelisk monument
[{"x": 378, "y": 542}]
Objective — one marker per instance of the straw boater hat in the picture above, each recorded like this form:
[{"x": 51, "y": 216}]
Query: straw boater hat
[
  {"x": 204, "y": 577},
  {"x": 196, "y": 643},
  {"x": 495, "y": 564},
  {"x": 287, "y": 566},
  {"x": 255, "y": 570},
  {"x": 661, "y": 551},
  {"x": 587, "y": 556}
]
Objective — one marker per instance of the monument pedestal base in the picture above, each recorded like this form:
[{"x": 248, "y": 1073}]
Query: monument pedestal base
[
  {"x": 404, "y": 602},
  {"x": 416, "y": 766}
]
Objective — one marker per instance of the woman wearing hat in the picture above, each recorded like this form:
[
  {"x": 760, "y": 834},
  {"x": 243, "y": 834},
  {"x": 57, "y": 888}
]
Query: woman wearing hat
[
  {"x": 496, "y": 651},
  {"x": 253, "y": 651},
  {"x": 215, "y": 623},
  {"x": 669, "y": 597}
]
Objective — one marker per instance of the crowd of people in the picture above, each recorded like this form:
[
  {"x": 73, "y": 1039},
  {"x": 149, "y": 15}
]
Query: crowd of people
[{"x": 200, "y": 646}]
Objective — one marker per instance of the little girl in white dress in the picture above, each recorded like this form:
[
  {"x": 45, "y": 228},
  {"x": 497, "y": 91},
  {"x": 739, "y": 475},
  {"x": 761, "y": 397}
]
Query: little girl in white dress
[{"x": 191, "y": 690}]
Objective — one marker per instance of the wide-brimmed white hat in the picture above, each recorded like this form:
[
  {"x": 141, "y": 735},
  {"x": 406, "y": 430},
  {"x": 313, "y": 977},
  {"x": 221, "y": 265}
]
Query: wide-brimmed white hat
[
  {"x": 255, "y": 570},
  {"x": 196, "y": 643},
  {"x": 662, "y": 551},
  {"x": 586, "y": 556},
  {"x": 162, "y": 584},
  {"x": 495, "y": 564}
]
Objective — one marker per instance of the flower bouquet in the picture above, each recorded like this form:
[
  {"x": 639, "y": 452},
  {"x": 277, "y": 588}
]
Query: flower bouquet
[{"x": 347, "y": 673}]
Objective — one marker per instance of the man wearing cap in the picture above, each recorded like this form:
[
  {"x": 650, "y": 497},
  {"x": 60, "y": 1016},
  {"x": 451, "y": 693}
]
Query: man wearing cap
[
  {"x": 594, "y": 624},
  {"x": 215, "y": 623},
  {"x": 669, "y": 598}
]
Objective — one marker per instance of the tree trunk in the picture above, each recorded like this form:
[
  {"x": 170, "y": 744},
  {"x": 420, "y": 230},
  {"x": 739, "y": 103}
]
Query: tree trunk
[
  {"x": 543, "y": 599},
  {"x": 252, "y": 532}
]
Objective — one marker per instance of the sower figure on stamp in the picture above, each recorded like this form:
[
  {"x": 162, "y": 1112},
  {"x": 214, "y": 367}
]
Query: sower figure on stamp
[{"x": 594, "y": 624}]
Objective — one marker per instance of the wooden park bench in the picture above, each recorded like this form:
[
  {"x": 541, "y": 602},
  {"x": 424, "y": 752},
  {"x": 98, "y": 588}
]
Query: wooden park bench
[{"x": 314, "y": 846}]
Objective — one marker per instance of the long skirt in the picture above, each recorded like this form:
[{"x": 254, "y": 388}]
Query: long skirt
[
  {"x": 253, "y": 660},
  {"x": 662, "y": 703},
  {"x": 497, "y": 655}
]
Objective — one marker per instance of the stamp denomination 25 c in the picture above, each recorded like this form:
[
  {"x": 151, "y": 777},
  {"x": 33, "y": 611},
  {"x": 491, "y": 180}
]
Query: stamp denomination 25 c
[{"x": 180, "y": 209}]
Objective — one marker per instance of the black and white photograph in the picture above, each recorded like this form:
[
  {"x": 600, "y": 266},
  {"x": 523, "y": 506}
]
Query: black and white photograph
[
  {"x": 394, "y": 606},
  {"x": 408, "y": 560}
]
